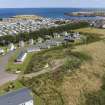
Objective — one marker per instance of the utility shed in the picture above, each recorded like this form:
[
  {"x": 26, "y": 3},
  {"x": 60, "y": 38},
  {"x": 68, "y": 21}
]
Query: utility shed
[{"x": 20, "y": 97}]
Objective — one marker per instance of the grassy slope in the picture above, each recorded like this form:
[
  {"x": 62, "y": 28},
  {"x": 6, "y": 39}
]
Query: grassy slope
[
  {"x": 49, "y": 86},
  {"x": 88, "y": 78},
  {"x": 85, "y": 86},
  {"x": 76, "y": 87},
  {"x": 91, "y": 30}
]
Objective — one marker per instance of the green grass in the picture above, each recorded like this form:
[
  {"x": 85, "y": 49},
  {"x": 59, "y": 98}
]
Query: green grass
[
  {"x": 13, "y": 67},
  {"x": 39, "y": 60},
  {"x": 10, "y": 86},
  {"x": 91, "y": 31},
  {"x": 90, "y": 35},
  {"x": 38, "y": 100},
  {"x": 96, "y": 98},
  {"x": 47, "y": 87}
]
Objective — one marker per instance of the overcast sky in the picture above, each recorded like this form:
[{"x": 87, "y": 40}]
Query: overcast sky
[{"x": 51, "y": 3}]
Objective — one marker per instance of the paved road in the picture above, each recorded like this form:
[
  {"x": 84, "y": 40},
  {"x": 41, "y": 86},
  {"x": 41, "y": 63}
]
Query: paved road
[{"x": 4, "y": 76}]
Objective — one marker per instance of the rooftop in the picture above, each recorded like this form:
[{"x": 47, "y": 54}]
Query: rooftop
[{"x": 16, "y": 97}]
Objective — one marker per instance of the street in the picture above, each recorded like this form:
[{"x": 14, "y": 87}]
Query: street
[{"x": 4, "y": 75}]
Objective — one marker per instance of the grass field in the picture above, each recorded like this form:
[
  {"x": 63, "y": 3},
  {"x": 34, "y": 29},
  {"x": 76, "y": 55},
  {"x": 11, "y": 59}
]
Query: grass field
[
  {"x": 84, "y": 86},
  {"x": 48, "y": 86},
  {"x": 14, "y": 85},
  {"x": 91, "y": 30}
]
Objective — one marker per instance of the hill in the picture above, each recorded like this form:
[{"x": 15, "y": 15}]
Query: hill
[{"x": 76, "y": 77}]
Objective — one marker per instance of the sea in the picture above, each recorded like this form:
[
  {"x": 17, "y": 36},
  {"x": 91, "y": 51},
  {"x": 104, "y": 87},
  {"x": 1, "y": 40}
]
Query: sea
[{"x": 46, "y": 12}]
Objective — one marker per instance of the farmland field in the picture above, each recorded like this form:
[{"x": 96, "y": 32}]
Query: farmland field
[{"x": 92, "y": 30}]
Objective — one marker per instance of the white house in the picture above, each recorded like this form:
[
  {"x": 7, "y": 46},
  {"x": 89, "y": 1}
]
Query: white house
[
  {"x": 56, "y": 35},
  {"x": 19, "y": 97},
  {"x": 53, "y": 42},
  {"x": 40, "y": 40},
  {"x": 31, "y": 41},
  {"x": 64, "y": 33},
  {"x": 76, "y": 35},
  {"x": 1, "y": 51},
  {"x": 103, "y": 26},
  {"x": 21, "y": 57},
  {"x": 33, "y": 49},
  {"x": 11, "y": 47},
  {"x": 21, "y": 43}
]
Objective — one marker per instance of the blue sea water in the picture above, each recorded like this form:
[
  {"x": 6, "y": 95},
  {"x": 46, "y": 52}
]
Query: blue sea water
[{"x": 45, "y": 12}]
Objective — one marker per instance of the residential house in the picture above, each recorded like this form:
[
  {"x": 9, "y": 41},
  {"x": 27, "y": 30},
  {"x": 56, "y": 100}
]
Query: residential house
[
  {"x": 19, "y": 97},
  {"x": 31, "y": 41},
  {"x": 56, "y": 35},
  {"x": 21, "y": 57},
  {"x": 11, "y": 47},
  {"x": 40, "y": 40},
  {"x": 65, "y": 33},
  {"x": 53, "y": 42},
  {"x": 1, "y": 51},
  {"x": 44, "y": 46},
  {"x": 21, "y": 43},
  {"x": 33, "y": 49}
]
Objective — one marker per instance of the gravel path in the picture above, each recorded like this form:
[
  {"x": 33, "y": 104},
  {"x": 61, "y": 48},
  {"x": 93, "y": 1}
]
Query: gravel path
[{"x": 4, "y": 76}]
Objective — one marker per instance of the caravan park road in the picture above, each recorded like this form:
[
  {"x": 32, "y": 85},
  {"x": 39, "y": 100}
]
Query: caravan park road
[{"x": 5, "y": 76}]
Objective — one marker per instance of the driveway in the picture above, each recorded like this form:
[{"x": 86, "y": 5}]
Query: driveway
[{"x": 5, "y": 76}]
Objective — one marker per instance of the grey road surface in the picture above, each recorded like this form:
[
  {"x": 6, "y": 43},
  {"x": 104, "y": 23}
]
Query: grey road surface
[{"x": 5, "y": 76}]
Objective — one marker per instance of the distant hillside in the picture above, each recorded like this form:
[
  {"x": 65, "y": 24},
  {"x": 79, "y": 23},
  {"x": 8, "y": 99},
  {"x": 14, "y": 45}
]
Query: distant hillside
[
  {"x": 86, "y": 14},
  {"x": 27, "y": 17}
]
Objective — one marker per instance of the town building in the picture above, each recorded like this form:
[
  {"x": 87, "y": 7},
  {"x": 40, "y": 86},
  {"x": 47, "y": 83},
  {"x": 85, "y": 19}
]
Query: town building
[
  {"x": 56, "y": 35},
  {"x": 31, "y": 42},
  {"x": 40, "y": 40},
  {"x": 65, "y": 33},
  {"x": 11, "y": 47},
  {"x": 21, "y": 43},
  {"x": 53, "y": 42},
  {"x": 72, "y": 37},
  {"x": 33, "y": 49},
  {"x": 19, "y": 97},
  {"x": 1, "y": 51},
  {"x": 21, "y": 57}
]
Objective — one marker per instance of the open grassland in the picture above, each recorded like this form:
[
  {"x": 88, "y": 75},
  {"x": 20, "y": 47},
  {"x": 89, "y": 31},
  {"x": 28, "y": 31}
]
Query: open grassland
[
  {"x": 48, "y": 87},
  {"x": 92, "y": 30},
  {"x": 88, "y": 80},
  {"x": 85, "y": 85}
]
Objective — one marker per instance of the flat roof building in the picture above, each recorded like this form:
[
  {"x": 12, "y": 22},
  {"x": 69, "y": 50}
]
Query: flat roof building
[
  {"x": 20, "y": 97},
  {"x": 21, "y": 57}
]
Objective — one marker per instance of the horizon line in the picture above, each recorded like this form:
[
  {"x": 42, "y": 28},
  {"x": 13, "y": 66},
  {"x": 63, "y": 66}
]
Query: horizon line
[{"x": 51, "y": 7}]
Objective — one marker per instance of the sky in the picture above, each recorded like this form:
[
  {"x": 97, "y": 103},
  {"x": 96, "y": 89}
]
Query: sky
[{"x": 52, "y": 3}]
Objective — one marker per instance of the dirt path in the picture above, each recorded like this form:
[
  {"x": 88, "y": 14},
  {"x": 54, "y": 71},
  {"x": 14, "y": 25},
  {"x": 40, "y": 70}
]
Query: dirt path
[{"x": 43, "y": 71}]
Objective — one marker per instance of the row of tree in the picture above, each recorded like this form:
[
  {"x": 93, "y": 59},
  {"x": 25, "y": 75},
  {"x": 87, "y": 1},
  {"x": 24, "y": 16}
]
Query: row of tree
[{"x": 4, "y": 40}]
